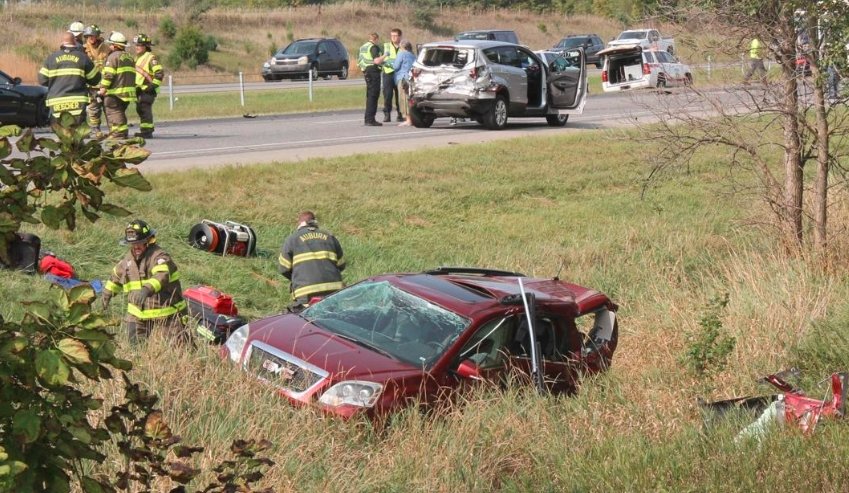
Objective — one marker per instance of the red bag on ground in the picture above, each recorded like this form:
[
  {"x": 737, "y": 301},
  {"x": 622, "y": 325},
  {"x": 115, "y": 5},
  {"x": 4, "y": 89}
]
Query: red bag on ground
[{"x": 51, "y": 264}]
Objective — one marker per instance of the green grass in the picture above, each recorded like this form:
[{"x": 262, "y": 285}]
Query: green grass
[{"x": 542, "y": 206}]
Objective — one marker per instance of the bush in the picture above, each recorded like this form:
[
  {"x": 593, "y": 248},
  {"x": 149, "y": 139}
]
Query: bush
[
  {"x": 709, "y": 347},
  {"x": 132, "y": 23},
  {"x": 167, "y": 28},
  {"x": 190, "y": 47}
]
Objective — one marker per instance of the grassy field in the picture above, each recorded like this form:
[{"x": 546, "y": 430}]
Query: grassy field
[{"x": 522, "y": 205}]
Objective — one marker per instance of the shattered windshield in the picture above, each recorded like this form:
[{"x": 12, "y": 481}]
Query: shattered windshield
[{"x": 381, "y": 317}]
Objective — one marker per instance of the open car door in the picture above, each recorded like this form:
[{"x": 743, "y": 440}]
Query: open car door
[{"x": 567, "y": 81}]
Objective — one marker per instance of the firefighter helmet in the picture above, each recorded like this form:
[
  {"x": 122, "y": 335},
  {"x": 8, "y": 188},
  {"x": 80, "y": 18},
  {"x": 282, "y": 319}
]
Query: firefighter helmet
[
  {"x": 137, "y": 231},
  {"x": 76, "y": 28},
  {"x": 116, "y": 38},
  {"x": 142, "y": 39},
  {"x": 92, "y": 30}
]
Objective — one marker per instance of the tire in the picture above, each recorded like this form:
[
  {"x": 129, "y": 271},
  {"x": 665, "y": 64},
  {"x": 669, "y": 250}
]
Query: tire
[
  {"x": 496, "y": 117},
  {"x": 688, "y": 81},
  {"x": 344, "y": 73},
  {"x": 557, "y": 120},
  {"x": 421, "y": 119},
  {"x": 661, "y": 82},
  {"x": 43, "y": 113},
  {"x": 268, "y": 78}
]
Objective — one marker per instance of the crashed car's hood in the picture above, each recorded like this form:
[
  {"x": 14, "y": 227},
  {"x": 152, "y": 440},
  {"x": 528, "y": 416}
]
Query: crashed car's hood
[{"x": 293, "y": 335}]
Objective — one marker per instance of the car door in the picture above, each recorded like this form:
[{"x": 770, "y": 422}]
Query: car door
[
  {"x": 324, "y": 57},
  {"x": 514, "y": 74},
  {"x": 10, "y": 100},
  {"x": 671, "y": 67},
  {"x": 567, "y": 80}
]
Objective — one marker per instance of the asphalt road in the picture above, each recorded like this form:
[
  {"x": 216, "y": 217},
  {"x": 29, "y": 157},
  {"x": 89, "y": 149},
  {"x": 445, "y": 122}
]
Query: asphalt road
[{"x": 292, "y": 138}]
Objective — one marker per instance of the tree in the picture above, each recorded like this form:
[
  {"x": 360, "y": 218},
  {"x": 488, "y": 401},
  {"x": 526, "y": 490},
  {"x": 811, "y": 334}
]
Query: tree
[{"x": 745, "y": 120}]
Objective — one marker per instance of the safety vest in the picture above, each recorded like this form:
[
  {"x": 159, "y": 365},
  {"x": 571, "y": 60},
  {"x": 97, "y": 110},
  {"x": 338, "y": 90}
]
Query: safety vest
[
  {"x": 67, "y": 73},
  {"x": 755, "y": 49},
  {"x": 364, "y": 59},
  {"x": 391, "y": 52},
  {"x": 119, "y": 76},
  {"x": 149, "y": 72}
]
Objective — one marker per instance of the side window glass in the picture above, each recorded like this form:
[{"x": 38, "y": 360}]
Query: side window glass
[
  {"x": 662, "y": 57},
  {"x": 526, "y": 60},
  {"x": 491, "y": 55},
  {"x": 509, "y": 56},
  {"x": 488, "y": 347},
  {"x": 649, "y": 56}
]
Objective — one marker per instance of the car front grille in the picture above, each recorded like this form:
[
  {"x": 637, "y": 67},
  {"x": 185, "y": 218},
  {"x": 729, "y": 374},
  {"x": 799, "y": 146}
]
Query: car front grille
[{"x": 285, "y": 371}]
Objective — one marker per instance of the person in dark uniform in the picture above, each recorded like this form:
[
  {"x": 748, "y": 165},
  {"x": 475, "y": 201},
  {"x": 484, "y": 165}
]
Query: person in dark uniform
[
  {"x": 312, "y": 260},
  {"x": 370, "y": 60},
  {"x": 67, "y": 73}
]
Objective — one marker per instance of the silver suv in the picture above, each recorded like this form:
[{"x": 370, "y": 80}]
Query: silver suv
[{"x": 490, "y": 81}]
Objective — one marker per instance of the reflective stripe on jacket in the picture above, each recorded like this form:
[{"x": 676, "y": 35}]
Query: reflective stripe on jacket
[
  {"x": 312, "y": 260},
  {"x": 391, "y": 53},
  {"x": 67, "y": 73},
  {"x": 149, "y": 73},
  {"x": 119, "y": 76},
  {"x": 157, "y": 271}
]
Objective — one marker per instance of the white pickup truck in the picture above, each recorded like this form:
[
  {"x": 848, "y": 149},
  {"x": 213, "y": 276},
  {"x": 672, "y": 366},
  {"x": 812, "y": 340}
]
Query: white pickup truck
[{"x": 649, "y": 39}]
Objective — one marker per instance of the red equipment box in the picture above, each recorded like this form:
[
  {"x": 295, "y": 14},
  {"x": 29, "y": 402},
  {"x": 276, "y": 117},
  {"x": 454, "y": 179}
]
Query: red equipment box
[{"x": 214, "y": 311}]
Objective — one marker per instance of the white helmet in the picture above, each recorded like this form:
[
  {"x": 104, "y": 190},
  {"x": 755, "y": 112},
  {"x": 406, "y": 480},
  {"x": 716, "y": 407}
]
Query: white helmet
[
  {"x": 116, "y": 38},
  {"x": 76, "y": 28}
]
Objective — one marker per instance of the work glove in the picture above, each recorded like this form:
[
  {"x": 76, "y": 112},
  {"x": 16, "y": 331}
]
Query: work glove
[
  {"x": 107, "y": 297},
  {"x": 137, "y": 297}
]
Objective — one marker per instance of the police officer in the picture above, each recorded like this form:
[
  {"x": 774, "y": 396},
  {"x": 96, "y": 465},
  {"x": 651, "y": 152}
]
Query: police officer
[
  {"x": 312, "y": 259},
  {"x": 390, "y": 88},
  {"x": 149, "y": 75},
  {"x": 369, "y": 61},
  {"x": 152, "y": 283},
  {"x": 118, "y": 85},
  {"x": 97, "y": 50},
  {"x": 67, "y": 73}
]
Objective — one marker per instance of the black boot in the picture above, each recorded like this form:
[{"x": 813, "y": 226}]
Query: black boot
[{"x": 387, "y": 116}]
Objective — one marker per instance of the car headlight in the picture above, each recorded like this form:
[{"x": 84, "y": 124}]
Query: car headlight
[
  {"x": 303, "y": 60},
  {"x": 266, "y": 65},
  {"x": 353, "y": 393},
  {"x": 236, "y": 342}
]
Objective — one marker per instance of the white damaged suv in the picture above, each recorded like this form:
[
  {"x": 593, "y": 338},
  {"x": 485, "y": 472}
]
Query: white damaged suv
[{"x": 490, "y": 81}]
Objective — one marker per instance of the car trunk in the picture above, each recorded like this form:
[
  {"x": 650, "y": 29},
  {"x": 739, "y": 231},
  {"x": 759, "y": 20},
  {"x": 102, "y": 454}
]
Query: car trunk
[
  {"x": 445, "y": 72},
  {"x": 624, "y": 64}
]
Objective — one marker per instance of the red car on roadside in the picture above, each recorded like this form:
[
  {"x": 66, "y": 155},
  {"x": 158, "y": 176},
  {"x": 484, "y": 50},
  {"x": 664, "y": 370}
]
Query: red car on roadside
[{"x": 390, "y": 340}]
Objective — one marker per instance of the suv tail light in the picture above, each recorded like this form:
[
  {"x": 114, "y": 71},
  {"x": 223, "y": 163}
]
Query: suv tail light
[
  {"x": 474, "y": 73},
  {"x": 415, "y": 72},
  {"x": 646, "y": 69},
  {"x": 604, "y": 75}
]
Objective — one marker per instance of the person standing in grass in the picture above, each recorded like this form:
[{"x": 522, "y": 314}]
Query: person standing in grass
[
  {"x": 312, "y": 260},
  {"x": 152, "y": 283},
  {"x": 402, "y": 66}
]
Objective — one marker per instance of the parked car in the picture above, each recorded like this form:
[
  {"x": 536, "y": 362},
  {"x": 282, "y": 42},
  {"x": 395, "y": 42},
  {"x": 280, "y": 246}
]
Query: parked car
[
  {"x": 631, "y": 67},
  {"x": 323, "y": 57},
  {"x": 489, "y": 34},
  {"x": 649, "y": 39},
  {"x": 490, "y": 81},
  {"x": 22, "y": 104},
  {"x": 591, "y": 43},
  {"x": 378, "y": 345}
]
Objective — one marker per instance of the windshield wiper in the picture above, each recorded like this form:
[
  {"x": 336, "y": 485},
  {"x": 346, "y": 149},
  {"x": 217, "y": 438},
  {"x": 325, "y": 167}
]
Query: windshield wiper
[{"x": 367, "y": 345}]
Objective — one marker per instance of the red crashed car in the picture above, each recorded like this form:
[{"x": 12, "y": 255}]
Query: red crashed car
[{"x": 380, "y": 344}]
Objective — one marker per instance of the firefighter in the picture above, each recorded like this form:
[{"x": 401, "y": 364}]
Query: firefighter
[
  {"x": 77, "y": 28},
  {"x": 312, "y": 260},
  {"x": 118, "y": 85},
  {"x": 97, "y": 50},
  {"x": 152, "y": 283},
  {"x": 149, "y": 77},
  {"x": 67, "y": 73}
]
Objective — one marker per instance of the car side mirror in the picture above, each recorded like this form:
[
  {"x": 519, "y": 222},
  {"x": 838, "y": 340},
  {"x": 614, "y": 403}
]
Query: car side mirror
[
  {"x": 468, "y": 369},
  {"x": 16, "y": 81},
  {"x": 322, "y": 51}
]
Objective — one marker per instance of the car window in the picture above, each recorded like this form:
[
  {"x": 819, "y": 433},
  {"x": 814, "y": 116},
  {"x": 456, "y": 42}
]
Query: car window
[
  {"x": 570, "y": 43},
  {"x": 458, "y": 57},
  {"x": 489, "y": 346},
  {"x": 654, "y": 36},
  {"x": 562, "y": 62},
  {"x": 491, "y": 54},
  {"x": 649, "y": 57},
  {"x": 474, "y": 35},
  {"x": 509, "y": 55},
  {"x": 300, "y": 48},
  {"x": 526, "y": 60},
  {"x": 4, "y": 79},
  {"x": 662, "y": 57},
  {"x": 632, "y": 35}
]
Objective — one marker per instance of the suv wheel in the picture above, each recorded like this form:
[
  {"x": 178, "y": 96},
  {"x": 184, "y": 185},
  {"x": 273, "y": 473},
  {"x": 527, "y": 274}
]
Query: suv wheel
[
  {"x": 557, "y": 120},
  {"x": 343, "y": 74},
  {"x": 420, "y": 119},
  {"x": 496, "y": 117}
]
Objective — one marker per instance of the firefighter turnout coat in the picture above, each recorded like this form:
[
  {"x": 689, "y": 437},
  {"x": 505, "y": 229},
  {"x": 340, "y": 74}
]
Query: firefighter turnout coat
[
  {"x": 67, "y": 73},
  {"x": 157, "y": 271},
  {"x": 312, "y": 260},
  {"x": 119, "y": 76}
]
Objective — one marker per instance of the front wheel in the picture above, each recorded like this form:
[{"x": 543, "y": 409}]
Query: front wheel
[
  {"x": 344, "y": 73},
  {"x": 557, "y": 120},
  {"x": 496, "y": 117}
]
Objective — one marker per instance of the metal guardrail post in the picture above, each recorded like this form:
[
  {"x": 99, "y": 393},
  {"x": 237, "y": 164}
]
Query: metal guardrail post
[
  {"x": 170, "y": 93},
  {"x": 242, "y": 87},
  {"x": 708, "y": 68},
  {"x": 309, "y": 75}
]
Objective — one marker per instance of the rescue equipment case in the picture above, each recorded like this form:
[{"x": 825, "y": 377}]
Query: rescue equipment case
[
  {"x": 227, "y": 238},
  {"x": 214, "y": 312},
  {"x": 24, "y": 252}
]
